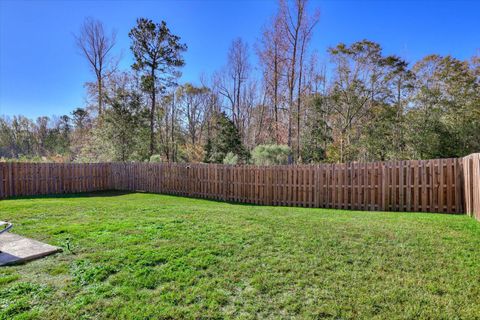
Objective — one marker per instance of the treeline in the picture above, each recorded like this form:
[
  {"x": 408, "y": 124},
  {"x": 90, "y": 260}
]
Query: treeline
[{"x": 362, "y": 105}]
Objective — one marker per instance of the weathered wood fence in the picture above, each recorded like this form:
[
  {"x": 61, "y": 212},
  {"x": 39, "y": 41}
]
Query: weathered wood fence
[
  {"x": 440, "y": 185},
  {"x": 432, "y": 185},
  {"x": 471, "y": 174},
  {"x": 25, "y": 179}
]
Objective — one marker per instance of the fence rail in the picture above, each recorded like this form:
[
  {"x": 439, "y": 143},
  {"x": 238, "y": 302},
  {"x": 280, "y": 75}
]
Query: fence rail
[{"x": 440, "y": 185}]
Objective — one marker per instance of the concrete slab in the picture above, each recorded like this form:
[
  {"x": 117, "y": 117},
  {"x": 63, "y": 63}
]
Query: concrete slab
[{"x": 17, "y": 249}]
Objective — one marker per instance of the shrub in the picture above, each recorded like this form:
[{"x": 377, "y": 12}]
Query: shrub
[
  {"x": 270, "y": 154},
  {"x": 230, "y": 158},
  {"x": 156, "y": 158},
  {"x": 192, "y": 152}
]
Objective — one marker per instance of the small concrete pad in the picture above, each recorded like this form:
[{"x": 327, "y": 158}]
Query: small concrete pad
[{"x": 17, "y": 249}]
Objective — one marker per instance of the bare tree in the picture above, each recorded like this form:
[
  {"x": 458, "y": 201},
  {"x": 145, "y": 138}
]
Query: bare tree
[
  {"x": 305, "y": 36},
  {"x": 238, "y": 70},
  {"x": 250, "y": 102},
  {"x": 193, "y": 102},
  {"x": 233, "y": 83},
  {"x": 271, "y": 52},
  {"x": 213, "y": 100},
  {"x": 298, "y": 26},
  {"x": 96, "y": 46}
]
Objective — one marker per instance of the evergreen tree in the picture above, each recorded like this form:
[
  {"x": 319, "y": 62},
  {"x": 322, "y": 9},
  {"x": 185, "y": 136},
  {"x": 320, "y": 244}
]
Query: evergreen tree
[
  {"x": 270, "y": 154},
  {"x": 225, "y": 138},
  {"x": 158, "y": 53},
  {"x": 317, "y": 133}
]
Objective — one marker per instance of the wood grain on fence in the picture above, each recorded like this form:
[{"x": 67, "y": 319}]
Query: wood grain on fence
[
  {"x": 427, "y": 185},
  {"x": 440, "y": 185},
  {"x": 471, "y": 169},
  {"x": 25, "y": 179}
]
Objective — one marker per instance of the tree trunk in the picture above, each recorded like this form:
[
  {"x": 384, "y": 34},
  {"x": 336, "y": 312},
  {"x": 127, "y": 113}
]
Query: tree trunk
[
  {"x": 299, "y": 94},
  {"x": 290, "y": 95},
  {"x": 275, "y": 95},
  {"x": 100, "y": 95},
  {"x": 152, "y": 114},
  {"x": 291, "y": 88},
  {"x": 341, "y": 149},
  {"x": 173, "y": 129}
]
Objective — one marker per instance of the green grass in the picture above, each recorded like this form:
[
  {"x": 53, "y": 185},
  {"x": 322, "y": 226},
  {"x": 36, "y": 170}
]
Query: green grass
[{"x": 145, "y": 256}]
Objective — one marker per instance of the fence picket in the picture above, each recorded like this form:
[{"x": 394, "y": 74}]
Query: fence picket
[{"x": 442, "y": 185}]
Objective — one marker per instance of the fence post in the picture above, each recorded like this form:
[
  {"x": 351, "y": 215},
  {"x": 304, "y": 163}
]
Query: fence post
[
  {"x": 446, "y": 185},
  {"x": 471, "y": 185},
  {"x": 225, "y": 181},
  {"x": 10, "y": 179},
  {"x": 476, "y": 186},
  {"x": 384, "y": 187},
  {"x": 2, "y": 192}
]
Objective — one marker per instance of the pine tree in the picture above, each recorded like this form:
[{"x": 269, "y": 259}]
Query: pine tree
[{"x": 225, "y": 138}]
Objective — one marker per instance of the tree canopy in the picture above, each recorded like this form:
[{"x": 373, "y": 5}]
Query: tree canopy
[{"x": 359, "y": 105}]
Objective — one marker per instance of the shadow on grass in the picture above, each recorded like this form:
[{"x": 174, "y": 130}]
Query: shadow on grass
[
  {"x": 103, "y": 193},
  {"x": 115, "y": 193},
  {"x": 193, "y": 197}
]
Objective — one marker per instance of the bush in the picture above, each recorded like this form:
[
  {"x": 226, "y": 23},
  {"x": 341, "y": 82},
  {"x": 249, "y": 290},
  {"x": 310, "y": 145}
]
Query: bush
[
  {"x": 230, "y": 158},
  {"x": 156, "y": 158},
  {"x": 270, "y": 154},
  {"x": 192, "y": 152}
]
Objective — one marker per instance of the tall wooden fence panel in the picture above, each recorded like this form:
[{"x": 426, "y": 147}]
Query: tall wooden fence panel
[
  {"x": 427, "y": 185},
  {"x": 24, "y": 179},
  {"x": 471, "y": 167},
  {"x": 440, "y": 185}
]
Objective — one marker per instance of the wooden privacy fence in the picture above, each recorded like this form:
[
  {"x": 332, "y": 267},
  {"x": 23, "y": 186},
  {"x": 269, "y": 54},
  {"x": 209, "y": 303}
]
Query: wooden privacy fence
[
  {"x": 441, "y": 185},
  {"x": 429, "y": 185},
  {"x": 471, "y": 173},
  {"x": 25, "y": 179}
]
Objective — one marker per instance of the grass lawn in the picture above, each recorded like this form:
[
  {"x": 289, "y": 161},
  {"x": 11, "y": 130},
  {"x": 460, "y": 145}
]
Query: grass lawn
[{"x": 146, "y": 256}]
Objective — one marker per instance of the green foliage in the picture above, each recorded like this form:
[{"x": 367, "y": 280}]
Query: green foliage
[
  {"x": 156, "y": 158},
  {"x": 126, "y": 122},
  {"x": 225, "y": 138},
  {"x": 379, "y": 140},
  {"x": 370, "y": 107},
  {"x": 380, "y": 109},
  {"x": 445, "y": 117},
  {"x": 155, "y": 47},
  {"x": 318, "y": 133},
  {"x": 21, "y": 137},
  {"x": 230, "y": 158},
  {"x": 153, "y": 256},
  {"x": 158, "y": 55},
  {"x": 120, "y": 131},
  {"x": 270, "y": 154}
]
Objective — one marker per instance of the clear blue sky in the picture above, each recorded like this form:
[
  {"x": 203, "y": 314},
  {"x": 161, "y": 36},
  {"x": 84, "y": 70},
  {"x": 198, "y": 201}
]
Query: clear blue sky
[{"x": 42, "y": 73}]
